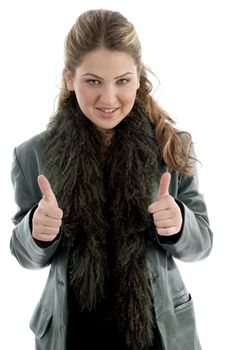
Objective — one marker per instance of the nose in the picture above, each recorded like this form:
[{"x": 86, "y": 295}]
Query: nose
[{"x": 108, "y": 95}]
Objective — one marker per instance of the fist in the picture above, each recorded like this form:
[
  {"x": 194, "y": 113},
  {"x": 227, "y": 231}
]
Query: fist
[
  {"x": 47, "y": 218},
  {"x": 166, "y": 212}
]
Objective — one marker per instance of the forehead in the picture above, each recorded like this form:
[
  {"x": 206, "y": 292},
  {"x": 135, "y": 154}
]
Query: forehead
[{"x": 103, "y": 60}]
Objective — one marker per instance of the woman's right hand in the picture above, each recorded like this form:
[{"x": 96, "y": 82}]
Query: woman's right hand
[{"x": 47, "y": 218}]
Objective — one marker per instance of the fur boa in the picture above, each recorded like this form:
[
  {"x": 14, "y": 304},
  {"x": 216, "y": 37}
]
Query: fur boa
[{"x": 105, "y": 205}]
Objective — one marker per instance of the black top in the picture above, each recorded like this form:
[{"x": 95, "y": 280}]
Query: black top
[{"x": 95, "y": 329}]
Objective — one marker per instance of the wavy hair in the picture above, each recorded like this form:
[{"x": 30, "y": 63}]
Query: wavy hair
[{"x": 97, "y": 29}]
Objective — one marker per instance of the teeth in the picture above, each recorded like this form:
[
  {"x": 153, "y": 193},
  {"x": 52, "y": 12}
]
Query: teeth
[{"x": 108, "y": 110}]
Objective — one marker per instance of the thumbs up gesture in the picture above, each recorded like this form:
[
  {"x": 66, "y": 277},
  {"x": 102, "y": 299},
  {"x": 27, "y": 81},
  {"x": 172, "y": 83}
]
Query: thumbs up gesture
[
  {"x": 166, "y": 212},
  {"x": 47, "y": 218}
]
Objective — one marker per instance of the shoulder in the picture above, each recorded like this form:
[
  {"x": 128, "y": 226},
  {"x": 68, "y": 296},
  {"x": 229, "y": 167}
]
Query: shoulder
[
  {"x": 30, "y": 145},
  {"x": 29, "y": 154}
]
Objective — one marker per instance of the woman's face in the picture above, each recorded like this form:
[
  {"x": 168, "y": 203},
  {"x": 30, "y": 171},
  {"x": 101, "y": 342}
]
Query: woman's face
[{"x": 105, "y": 85}]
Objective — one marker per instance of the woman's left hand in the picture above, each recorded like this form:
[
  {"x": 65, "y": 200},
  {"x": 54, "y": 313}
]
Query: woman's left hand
[{"x": 166, "y": 212}]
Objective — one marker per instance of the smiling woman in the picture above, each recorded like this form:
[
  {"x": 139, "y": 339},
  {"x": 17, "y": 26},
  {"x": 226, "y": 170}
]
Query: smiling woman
[
  {"x": 109, "y": 218},
  {"x": 105, "y": 85}
]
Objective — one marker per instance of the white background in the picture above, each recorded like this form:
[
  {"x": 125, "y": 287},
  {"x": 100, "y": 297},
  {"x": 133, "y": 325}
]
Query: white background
[{"x": 188, "y": 44}]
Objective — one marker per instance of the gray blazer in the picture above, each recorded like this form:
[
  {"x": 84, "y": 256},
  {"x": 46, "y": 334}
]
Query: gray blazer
[{"x": 172, "y": 302}]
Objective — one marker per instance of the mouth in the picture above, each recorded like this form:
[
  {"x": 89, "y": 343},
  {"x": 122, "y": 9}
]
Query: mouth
[{"x": 107, "y": 112}]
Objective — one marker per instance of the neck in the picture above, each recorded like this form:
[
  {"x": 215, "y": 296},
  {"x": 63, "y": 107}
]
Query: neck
[{"x": 106, "y": 137}]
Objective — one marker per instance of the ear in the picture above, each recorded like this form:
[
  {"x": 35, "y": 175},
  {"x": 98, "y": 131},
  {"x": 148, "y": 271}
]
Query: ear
[{"x": 68, "y": 78}]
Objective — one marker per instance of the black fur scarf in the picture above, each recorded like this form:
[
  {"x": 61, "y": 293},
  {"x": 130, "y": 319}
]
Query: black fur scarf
[{"x": 106, "y": 201}]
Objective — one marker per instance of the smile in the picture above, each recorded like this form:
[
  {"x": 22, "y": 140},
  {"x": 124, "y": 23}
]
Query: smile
[{"x": 107, "y": 110}]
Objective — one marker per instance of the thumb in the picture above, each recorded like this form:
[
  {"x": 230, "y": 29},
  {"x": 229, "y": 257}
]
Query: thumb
[
  {"x": 46, "y": 190},
  {"x": 164, "y": 185}
]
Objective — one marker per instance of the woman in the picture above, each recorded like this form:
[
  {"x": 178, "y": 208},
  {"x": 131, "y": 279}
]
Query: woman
[{"x": 108, "y": 196}]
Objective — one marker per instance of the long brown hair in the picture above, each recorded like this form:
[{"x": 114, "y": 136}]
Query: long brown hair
[{"x": 96, "y": 29}]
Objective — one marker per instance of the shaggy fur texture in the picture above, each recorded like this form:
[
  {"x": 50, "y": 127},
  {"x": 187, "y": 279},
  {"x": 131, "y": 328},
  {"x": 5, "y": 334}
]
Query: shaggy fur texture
[{"x": 105, "y": 205}]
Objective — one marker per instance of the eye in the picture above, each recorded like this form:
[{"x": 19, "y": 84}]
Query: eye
[
  {"x": 122, "y": 81},
  {"x": 93, "y": 82}
]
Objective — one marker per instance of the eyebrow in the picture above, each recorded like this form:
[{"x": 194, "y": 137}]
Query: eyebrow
[{"x": 97, "y": 77}]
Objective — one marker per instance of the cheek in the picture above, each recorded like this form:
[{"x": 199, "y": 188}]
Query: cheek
[
  {"x": 128, "y": 97},
  {"x": 83, "y": 96},
  {"x": 80, "y": 92}
]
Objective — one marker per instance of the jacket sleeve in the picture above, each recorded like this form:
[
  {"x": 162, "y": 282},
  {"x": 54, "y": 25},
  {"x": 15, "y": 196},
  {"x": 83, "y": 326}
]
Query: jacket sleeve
[
  {"x": 196, "y": 238},
  {"x": 23, "y": 246}
]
